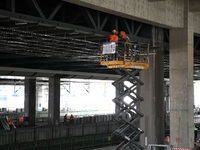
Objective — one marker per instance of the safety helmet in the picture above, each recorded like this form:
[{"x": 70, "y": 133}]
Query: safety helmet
[{"x": 114, "y": 31}]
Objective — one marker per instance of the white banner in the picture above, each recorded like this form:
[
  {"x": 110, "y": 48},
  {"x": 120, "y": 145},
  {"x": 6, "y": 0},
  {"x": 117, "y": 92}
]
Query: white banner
[{"x": 109, "y": 48}]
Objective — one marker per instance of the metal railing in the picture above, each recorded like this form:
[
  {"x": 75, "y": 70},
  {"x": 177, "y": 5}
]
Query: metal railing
[
  {"x": 158, "y": 145},
  {"x": 73, "y": 143},
  {"x": 33, "y": 134}
]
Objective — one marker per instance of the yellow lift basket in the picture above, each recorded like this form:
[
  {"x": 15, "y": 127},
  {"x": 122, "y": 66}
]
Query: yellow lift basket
[{"x": 125, "y": 55}]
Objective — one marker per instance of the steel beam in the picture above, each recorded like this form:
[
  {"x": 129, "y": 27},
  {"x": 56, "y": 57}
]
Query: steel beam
[
  {"x": 38, "y": 8},
  {"x": 55, "y": 10},
  {"x": 196, "y": 44},
  {"x": 37, "y": 72},
  {"x": 104, "y": 22},
  {"x": 10, "y": 5},
  {"x": 89, "y": 18},
  {"x": 155, "y": 0},
  {"x": 138, "y": 29},
  {"x": 47, "y": 22},
  {"x": 127, "y": 26},
  {"x": 98, "y": 20}
]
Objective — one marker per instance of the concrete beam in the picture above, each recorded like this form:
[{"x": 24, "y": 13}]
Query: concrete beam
[
  {"x": 142, "y": 11},
  {"x": 194, "y": 5},
  {"x": 155, "y": 0},
  {"x": 13, "y": 71}
]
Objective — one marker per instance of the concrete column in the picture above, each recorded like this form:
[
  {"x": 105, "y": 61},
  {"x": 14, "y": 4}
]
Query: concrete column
[
  {"x": 153, "y": 105},
  {"x": 37, "y": 99},
  {"x": 30, "y": 99},
  {"x": 152, "y": 91},
  {"x": 181, "y": 83},
  {"x": 54, "y": 100}
]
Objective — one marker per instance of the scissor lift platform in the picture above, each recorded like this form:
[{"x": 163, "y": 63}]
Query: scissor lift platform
[
  {"x": 128, "y": 55},
  {"x": 125, "y": 64}
]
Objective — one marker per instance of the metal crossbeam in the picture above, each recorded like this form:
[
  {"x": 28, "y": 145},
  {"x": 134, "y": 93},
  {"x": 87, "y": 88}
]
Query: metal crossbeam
[{"x": 128, "y": 115}]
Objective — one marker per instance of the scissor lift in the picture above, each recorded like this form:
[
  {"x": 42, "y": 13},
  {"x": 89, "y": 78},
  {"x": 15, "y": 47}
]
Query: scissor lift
[{"x": 128, "y": 61}]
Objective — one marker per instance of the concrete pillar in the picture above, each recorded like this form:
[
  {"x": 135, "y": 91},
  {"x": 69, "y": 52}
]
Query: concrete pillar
[
  {"x": 37, "y": 97},
  {"x": 30, "y": 99},
  {"x": 54, "y": 100},
  {"x": 152, "y": 91},
  {"x": 153, "y": 105},
  {"x": 181, "y": 83}
]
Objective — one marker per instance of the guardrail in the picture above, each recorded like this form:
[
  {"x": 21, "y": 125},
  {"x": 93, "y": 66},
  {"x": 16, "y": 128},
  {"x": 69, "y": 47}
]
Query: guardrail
[
  {"x": 158, "y": 145},
  {"x": 70, "y": 143},
  {"x": 34, "y": 134}
]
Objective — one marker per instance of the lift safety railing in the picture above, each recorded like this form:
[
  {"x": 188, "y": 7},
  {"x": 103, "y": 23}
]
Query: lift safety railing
[{"x": 127, "y": 55}]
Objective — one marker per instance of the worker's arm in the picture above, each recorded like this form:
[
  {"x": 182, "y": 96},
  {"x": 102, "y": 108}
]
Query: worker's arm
[{"x": 108, "y": 35}]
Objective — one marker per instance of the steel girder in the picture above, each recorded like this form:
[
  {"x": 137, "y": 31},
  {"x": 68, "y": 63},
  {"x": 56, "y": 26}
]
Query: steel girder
[{"x": 83, "y": 20}]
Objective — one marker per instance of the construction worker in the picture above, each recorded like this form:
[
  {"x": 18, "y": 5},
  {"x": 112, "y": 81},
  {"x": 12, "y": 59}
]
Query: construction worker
[
  {"x": 71, "y": 119},
  {"x": 10, "y": 123},
  {"x": 65, "y": 118},
  {"x": 113, "y": 37},
  {"x": 124, "y": 36}
]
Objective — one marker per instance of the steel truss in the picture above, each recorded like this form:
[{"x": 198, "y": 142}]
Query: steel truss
[
  {"x": 128, "y": 114},
  {"x": 58, "y": 18},
  {"x": 56, "y": 14}
]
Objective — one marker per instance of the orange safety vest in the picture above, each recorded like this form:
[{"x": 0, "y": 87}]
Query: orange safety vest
[
  {"x": 113, "y": 37},
  {"x": 123, "y": 35},
  {"x": 10, "y": 122},
  {"x": 72, "y": 117}
]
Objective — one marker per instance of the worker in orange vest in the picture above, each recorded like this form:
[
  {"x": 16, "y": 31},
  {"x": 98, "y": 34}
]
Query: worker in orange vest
[
  {"x": 10, "y": 123},
  {"x": 113, "y": 37},
  {"x": 71, "y": 119},
  {"x": 124, "y": 36}
]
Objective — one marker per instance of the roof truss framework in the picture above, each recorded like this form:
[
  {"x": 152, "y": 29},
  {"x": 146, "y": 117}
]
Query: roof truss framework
[{"x": 52, "y": 30}]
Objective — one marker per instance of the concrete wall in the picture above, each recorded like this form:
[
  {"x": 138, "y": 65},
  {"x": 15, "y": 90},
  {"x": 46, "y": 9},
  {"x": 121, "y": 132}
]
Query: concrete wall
[{"x": 165, "y": 13}]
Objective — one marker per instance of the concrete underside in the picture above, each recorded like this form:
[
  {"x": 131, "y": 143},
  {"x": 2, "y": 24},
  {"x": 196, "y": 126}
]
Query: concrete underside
[{"x": 164, "y": 13}]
